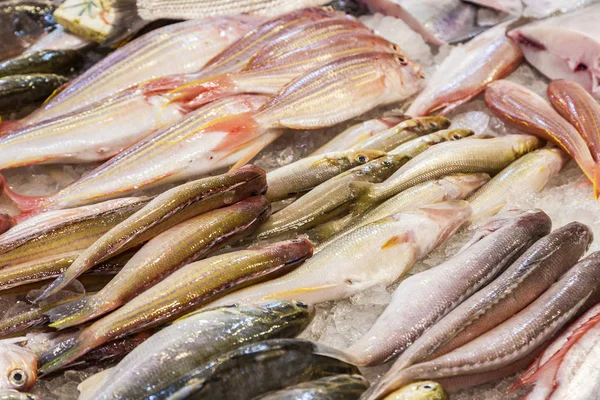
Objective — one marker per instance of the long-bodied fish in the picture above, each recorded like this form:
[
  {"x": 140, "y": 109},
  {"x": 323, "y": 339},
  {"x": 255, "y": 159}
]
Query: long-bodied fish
[
  {"x": 17, "y": 366},
  {"x": 475, "y": 155},
  {"x": 527, "y": 278},
  {"x": 303, "y": 175},
  {"x": 188, "y": 241},
  {"x": 17, "y": 91},
  {"x": 565, "y": 47},
  {"x": 529, "y": 112},
  {"x": 529, "y": 173},
  {"x": 400, "y": 240},
  {"x": 340, "y": 387},
  {"x": 513, "y": 340},
  {"x": 426, "y": 390},
  {"x": 404, "y": 320},
  {"x": 186, "y": 290},
  {"x": 416, "y": 146},
  {"x": 60, "y": 62},
  {"x": 193, "y": 341},
  {"x": 165, "y": 211},
  {"x": 467, "y": 71}
]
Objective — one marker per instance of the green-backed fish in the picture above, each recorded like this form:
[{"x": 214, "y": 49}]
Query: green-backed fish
[
  {"x": 417, "y": 146},
  {"x": 21, "y": 90},
  {"x": 425, "y": 390},
  {"x": 336, "y": 387},
  {"x": 44, "y": 61}
]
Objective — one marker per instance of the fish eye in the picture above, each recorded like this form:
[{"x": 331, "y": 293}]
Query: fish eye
[
  {"x": 402, "y": 60},
  {"x": 432, "y": 125},
  {"x": 427, "y": 387},
  {"x": 394, "y": 47},
  {"x": 18, "y": 378},
  {"x": 362, "y": 158},
  {"x": 455, "y": 136}
]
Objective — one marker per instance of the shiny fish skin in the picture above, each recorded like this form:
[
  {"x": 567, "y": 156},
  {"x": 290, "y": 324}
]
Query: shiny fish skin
[
  {"x": 335, "y": 387},
  {"x": 467, "y": 71},
  {"x": 9, "y": 394},
  {"x": 17, "y": 366},
  {"x": 529, "y": 173},
  {"x": 193, "y": 340},
  {"x": 186, "y": 290},
  {"x": 516, "y": 338},
  {"x": 519, "y": 106},
  {"x": 404, "y": 320},
  {"x": 400, "y": 239},
  {"x": 303, "y": 175},
  {"x": 46, "y": 61},
  {"x": 165, "y": 211},
  {"x": 21, "y": 90},
  {"x": 188, "y": 241},
  {"x": 427, "y": 390},
  {"x": 416, "y": 146}
]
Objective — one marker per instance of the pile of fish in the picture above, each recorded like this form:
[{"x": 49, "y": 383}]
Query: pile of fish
[{"x": 184, "y": 280}]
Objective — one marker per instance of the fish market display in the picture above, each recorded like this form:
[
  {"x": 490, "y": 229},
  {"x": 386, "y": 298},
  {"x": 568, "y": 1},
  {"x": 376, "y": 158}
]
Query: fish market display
[
  {"x": 45, "y": 61},
  {"x": 23, "y": 90},
  {"x": 192, "y": 341},
  {"x": 405, "y": 320},
  {"x": 426, "y": 390},
  {"x": 340, "y": 387},
  {"x": 17, "y": 366}
]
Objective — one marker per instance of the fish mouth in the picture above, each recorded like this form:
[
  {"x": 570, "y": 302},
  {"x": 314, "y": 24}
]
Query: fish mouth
[{"x": 527, "y": 41}]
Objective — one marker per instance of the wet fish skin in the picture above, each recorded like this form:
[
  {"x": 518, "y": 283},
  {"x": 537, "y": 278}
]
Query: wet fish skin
[
  {"x": 416, "y": 146},
  {"x": 466, "y": 72},
  {"x": 191, "y": 240},
  {"x": 522, "y": 108},
  {"x": 20, "y": 90},
  {"x": 336, "y": 387},
  {"x": 44, "y": 61},
  {"x": 514, "y": 339},
  {"x": 164, "y": 212},
  {"x": 9, "y": 394},
  {"x": 401, "y": 239},
  {"x": 17, "y": 366},
  {"x": 186, "y": 290},
  {"x": 427, "y": 390},
  {"x": 404, "y": 320},
  {"x": 278, "y": 363},
  {"x": 196, "y": 338}
]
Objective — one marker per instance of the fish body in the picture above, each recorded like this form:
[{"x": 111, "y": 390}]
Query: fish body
[
  {"x": 44, "y": 61},
  {"x": 10, "y": 394},
  {"x": 543, "y": 8},
  {"x": 513, "y": 7},
  {"x": 21, "y": 90},
  {"x": 467, "y": 71},
  {"x": 186, "y": 290},
  {"x": 400, "y": 239},
  {"x": 18, "y": 366},
  {"x": 416, "y": 146},
  {"x": 404, "y": 320},
  {"x": 335, "y": 387},
  {"x": 194, "y": 340},
  {"x": 426, "y": 390},
  {"x": 22, "y": 23}
]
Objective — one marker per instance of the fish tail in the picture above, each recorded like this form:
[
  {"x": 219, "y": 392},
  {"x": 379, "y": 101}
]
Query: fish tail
[
  {"x": 56, "y": 286},
  {"x": 365, "y": 195},
  {"x": 68, "y": 351},
  {"x": 29, "y": 205},
  {"x": 75, "y": 312}
]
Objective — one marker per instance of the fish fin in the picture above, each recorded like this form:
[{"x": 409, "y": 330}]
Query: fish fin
[
  {"x": 452, "y": 106},
  {"x": 73, "y": 313},
  {"x": 56, "y": 286},
  {"x": 72, "y": 351},
  {"x": 364, "y": 193},
  {"x": 25, "y": 203},
  {"x": 89, "y": 387},
  {"x": 126, "y": 24},
  {"x": 164, "y": 84},
  {"x": 197, "y": 93},
  {"x": 252, "y": 149},
  {"x": 240, "y": 129},
  {"x": 396, "y": 240}
]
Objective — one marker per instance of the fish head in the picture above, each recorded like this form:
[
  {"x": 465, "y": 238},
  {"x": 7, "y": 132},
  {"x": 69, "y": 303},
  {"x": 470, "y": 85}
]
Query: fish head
[
  {"x": 403, "y": 77},
  {"x": 425, "y": 125},
  {"x": 289, "y": 315},
  {"x": 553, "y": 159},
  {"x": 426, "y": 390},
  {"x": 460, "y": 186},
  {"x": 364, "y": 156},
  {"x": 576, "y": 233},
  {"x": 455, "y": 134},
  {"x": 18, "y": 367},
  {"x": 523, "y": 144},
  {"x": 447, "y": 216}
]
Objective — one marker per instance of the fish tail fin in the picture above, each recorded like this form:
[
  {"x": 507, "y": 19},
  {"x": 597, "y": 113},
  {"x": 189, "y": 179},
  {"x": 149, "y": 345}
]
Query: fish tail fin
[
  {"x": 30, "y": 205},
  {"x": 365, "y": 195},
  {"x": 68, "y": 351},
  {"x": 76, "y": 312},
  {"x": 199, "y": 92}
]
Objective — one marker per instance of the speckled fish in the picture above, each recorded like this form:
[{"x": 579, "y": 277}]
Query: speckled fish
[
  {"x": 303, "y": 175},
  {"x": 404, "y": 320},
  {"x": 529, "y": 112},
  {"x": 527, "y": 278},
  {"x": 467, "y": 71},
  {"x": 329, "y": 199},
  {"x": 10, "y": 394},
  {"x": 191, "y": 342},
  {"x": 400, "y": 240},
  {"x": 529, "y": 173},
  {"x": 188, "y": 241},
  {"x": 480, "y": 155},
  {"x": 565, "y": 47},
  {"x": 510, "y": 342},
  {"x": 21, "y": 90},
  {"x": 356, "y": 133},
  {"x": 165, "y": 211},
  {"x": 426, "y": 390},
  {"x": 279, "y": 363},
  {"x": 416, "y": 146},
  {"x": 18, "y": 366},
  {"x": 45, "y": 61},
  {"x": 186, "y": 290},
  {"x": 48, "y": 234},
  {"x": 336, "y": 387}
]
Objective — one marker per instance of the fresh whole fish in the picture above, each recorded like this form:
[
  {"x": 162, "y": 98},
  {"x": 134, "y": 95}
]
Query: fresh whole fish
[
  {"x": 521, "y": 283},
  {"x": 480, "y": 155},
  {"x": 565, "y": 47},
  {"x": 21, "y": 90},
  {"x": 45, "y": 61},
  {"x": 529, "y": 173},
  {"x": 188, "y": 241},
  {"x": 400, "y": 240},
  {"x": 426, "y": 390},
  {"x": 164, "y": 212},
  {"x": 467, "y": 71},
  {"x": 514, "y": 339},
  {"x": 303, "y": 175},
  {"x": 404, "y": 320},
  {"x": 186, "y": 290},
  {"x": 529, "y": 112},
  {"x": 335, "y": 387},
  {"x": 278, "y": 363},
  {"x": 10, "y": 394},
  {"x": 416, "y": 146},
  {"x": 18, "y": 366},
  {"x": 193, "y": 341}
]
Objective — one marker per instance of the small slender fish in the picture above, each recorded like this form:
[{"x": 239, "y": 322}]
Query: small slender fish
[
  {"x": 164, "y": 212},
  {"x": 62, "y": 62},
  {"x": 400, "y": 239},
  {"x": 513, "y": 340},
  {"x": 519, "y": 106},
  {"x": 529, "y": 173},
  {"x": 10, "y": 394},
  {"x": 188, "y": 241},
  {"x": 404, "y": 320},
  {"x": 527, "y": 278},
  {"x": 329, "y": 199},
  {"x": 481, "y": 155},
  {"x": 18, "y": 366},
  {"x": 426, "y": 390},
  {"x": 338, "y": 387},
  {"x": 467, "y": 71},
  {"x": 303, "y": 175},
  {"x": 21, "y": 90},
  {"x": 193, "y": 341},
  {"x": 416, "y": 146},
  {"x": 186, "y": 290},
  {"x": 279, "y": 363}
]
